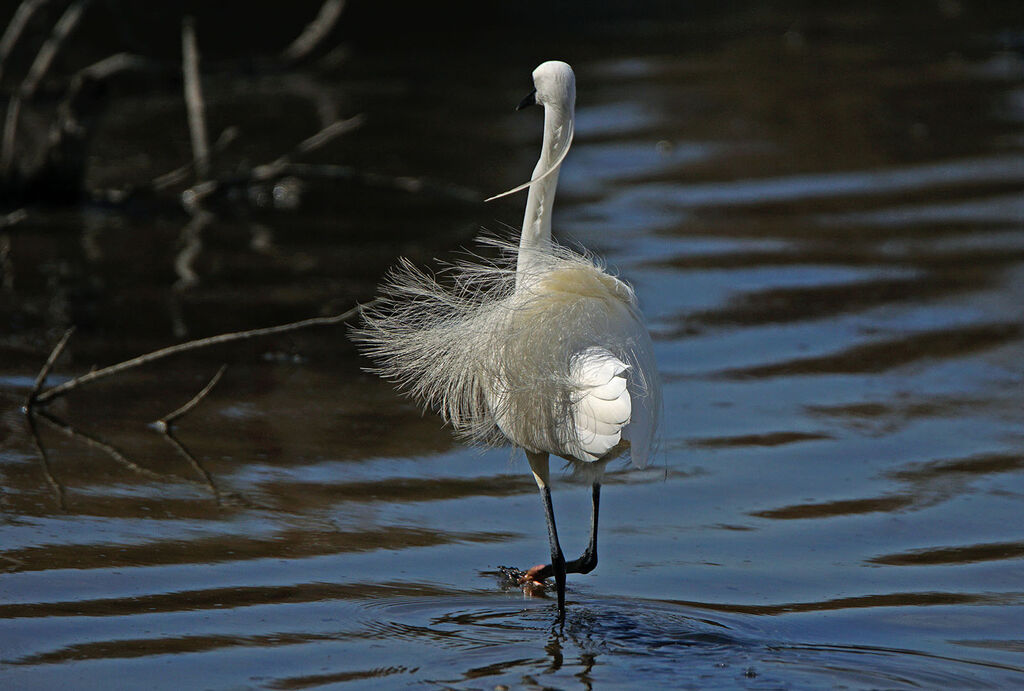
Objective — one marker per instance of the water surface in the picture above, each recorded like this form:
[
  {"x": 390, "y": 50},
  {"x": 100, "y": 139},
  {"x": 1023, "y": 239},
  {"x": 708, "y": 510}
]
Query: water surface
[{"x": 821, "y": 213}]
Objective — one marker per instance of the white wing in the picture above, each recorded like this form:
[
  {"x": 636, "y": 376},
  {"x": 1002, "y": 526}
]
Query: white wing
[{"x": 601, "y": 404}]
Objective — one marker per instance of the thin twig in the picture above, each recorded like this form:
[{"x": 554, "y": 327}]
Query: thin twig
[
  {"x": 71, "y": 384},
  {"x": 107, "y": 448},
  {"x": 47, "y": 366},
  {"x": 58, "y": 489},
  {"x": 226, "y": 138},
  {"x": 315, "y": 32},
  {"x": 192, "y": 197},
  {"x": 332, "y": 131},
  {"x": 327, "y": 134},
  {"x": 116, "y": 63},
  {"x": 194, "y": 98},
  {"x": 164, "y": 423},
  {"x": 14, "y": 28}
]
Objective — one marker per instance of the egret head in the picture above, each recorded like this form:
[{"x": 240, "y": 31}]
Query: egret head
[
  {"x": 554, "y": 85},
  {"x": 555, "y": 89}
]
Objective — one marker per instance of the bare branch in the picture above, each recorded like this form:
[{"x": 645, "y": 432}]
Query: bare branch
[
  {"x": 315, "y": 32},
  {"x": 194, "y": 98},
  {"x": 44, "y": 59},
  {"x": 45, "y": 371},
  {"x": 40, "y": 66},
  {"x": 61, "y": 389},
  {"x": 18, "y": 22},
  {"x": 164, "y": 423}
]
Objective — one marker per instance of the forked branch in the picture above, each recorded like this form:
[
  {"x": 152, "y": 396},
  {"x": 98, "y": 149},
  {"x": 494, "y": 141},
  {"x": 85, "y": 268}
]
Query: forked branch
[
  {"x": 164, "y": 423},
  {"x": 49, "y": 394}
]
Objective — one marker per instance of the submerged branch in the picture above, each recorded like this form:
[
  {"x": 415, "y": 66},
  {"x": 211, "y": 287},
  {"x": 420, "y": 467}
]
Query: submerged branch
[
  {"x": 61, "y": 389},
  {"x": 58, "y": 489},
  {"x": 198, "y": 467},
  {"x": 107, "y": 448}
]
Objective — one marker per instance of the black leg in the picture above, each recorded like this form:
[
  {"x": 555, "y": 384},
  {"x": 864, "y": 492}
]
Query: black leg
[
  {"x": 539, "y": 466},
  {"x": 587, "y": 562},
  {"x": 557, "y": 560}
]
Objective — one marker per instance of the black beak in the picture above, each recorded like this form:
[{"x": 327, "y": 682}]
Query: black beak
[{"x": 530, "y": 100}]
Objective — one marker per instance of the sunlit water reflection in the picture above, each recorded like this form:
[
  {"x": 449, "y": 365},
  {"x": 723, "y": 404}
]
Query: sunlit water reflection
[{"x": 825, "y": 230}]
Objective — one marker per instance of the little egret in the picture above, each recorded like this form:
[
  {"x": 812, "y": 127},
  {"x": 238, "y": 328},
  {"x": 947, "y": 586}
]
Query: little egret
[{"x": 543, "y": 348}]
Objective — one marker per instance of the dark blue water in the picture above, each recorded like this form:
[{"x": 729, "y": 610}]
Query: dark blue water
[{"x": 821, "y": 213}]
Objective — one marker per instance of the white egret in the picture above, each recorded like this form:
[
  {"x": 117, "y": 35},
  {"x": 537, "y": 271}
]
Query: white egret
[{"x": 543, "y": 349}]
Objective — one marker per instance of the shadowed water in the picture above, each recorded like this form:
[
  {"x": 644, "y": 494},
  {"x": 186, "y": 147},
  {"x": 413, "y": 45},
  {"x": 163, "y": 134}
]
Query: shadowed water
[{"x": 821, "y": 212}]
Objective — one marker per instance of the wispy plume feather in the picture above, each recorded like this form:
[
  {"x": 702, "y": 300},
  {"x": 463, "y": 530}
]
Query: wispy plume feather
[{"x": 496, "y": 362}]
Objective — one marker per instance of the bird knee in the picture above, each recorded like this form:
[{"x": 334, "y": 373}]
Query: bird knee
[{"x": 588, "y": 562}]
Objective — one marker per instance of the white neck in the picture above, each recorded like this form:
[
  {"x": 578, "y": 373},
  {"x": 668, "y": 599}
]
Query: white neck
[{"x": 536, "y": 234}]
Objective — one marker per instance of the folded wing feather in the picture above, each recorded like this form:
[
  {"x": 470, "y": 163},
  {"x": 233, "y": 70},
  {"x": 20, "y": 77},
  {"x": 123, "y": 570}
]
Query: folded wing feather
[{"x": 602, "y": 406}]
